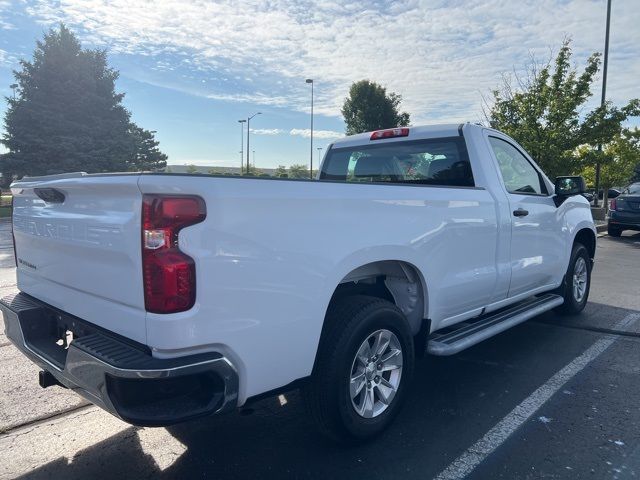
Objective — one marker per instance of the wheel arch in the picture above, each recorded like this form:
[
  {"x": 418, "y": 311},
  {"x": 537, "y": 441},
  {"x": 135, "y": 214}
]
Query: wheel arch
[
  {"x": 586, "y": 237},
  {"x": 397, "y": 281}
]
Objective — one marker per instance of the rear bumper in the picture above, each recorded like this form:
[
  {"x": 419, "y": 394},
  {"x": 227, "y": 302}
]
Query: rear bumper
[
  {"x": 116, "y": 374},
  {"x": 626, "y": 220}
]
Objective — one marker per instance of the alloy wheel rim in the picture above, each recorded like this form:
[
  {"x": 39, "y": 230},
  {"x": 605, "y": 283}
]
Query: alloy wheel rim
[
  {"x": 375, "y": 375},
  {"x": 580, "y": 279}
]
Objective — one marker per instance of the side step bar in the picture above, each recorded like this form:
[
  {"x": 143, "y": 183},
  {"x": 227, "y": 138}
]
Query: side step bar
[{"x": 467, "y": 334}]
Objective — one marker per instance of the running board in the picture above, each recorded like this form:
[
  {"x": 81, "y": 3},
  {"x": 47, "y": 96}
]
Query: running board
[{"x": 467, "y": 334}]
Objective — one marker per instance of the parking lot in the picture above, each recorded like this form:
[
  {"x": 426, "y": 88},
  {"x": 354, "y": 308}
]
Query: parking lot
[{"x": 556, "y": 397}]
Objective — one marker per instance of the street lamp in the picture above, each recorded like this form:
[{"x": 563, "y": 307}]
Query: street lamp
[
  {"x": 319, "y": 151},
  {"x": 310, "y": 80},
  {"x": 248, "y": 130},
  {"x": 241, "y": 122},
  {"x": 13, "y": 87},
  {"x": 602, "y": 99}
]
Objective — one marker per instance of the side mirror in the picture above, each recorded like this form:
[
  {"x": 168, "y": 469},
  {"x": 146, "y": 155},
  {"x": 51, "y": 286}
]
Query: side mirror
[{"x": 569, "y": 186}]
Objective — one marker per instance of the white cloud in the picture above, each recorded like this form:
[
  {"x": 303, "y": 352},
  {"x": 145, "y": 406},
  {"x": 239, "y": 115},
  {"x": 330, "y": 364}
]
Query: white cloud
[
  {"x": 267, "y": 131},
  {"x": 324, "y": 134},
  {"x": 440, "y": 55},
  {"x": 5, "y": 7}
]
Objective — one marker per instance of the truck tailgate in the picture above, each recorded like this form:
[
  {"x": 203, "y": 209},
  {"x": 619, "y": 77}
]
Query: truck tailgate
[{"x": 78, "y": 247}]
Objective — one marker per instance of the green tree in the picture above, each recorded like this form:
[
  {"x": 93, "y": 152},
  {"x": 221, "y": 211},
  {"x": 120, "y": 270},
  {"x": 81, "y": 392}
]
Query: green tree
[
  {"x": 298, "y": 171},
  {"x": 253, "y": 171},
  {"x": 192, "y": 169},
  {"x": 543, "y": 111},
  {"x": 619, "y": 160},
  {"x": 281, "y": 171},
  {"x": 636, "y": 174},
  {"x": 68, "y": 116},
  {"x": 368, "y": 107},
  {"x": 147, "y": 156}
]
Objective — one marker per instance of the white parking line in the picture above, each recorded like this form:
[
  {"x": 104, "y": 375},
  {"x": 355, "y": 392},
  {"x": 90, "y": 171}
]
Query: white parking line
[{"x": 475, "y": 454}]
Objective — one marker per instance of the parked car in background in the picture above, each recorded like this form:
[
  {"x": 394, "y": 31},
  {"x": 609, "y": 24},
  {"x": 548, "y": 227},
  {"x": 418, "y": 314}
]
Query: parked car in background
[
  {"x": 624, "y": 211},
  {"x": 613, "y": 192},
  {"x": 589, "y": 196}
]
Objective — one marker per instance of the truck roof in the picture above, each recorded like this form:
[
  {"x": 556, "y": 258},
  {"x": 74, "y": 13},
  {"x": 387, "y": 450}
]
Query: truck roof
[{"x": 415, "y": 133}]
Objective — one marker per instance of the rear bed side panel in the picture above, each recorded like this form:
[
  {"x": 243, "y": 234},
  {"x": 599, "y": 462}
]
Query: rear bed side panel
[
  {"x": 83, "y": 256},
  {"x": 271, "y": 252}
]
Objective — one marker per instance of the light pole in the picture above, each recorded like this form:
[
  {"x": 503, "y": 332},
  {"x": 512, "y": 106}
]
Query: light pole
[
  {"x": 319, "y": 159},
  {"x": 602, "y": 99},
  {"x": 13, "y": 87},
  {"x": 248, "y": 130},
  {"x": 241, "y": 122},
  {"x": 310, "y": 80}
]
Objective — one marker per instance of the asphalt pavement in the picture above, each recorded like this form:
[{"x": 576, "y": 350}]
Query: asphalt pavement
[{"x": 555, "y": 397}]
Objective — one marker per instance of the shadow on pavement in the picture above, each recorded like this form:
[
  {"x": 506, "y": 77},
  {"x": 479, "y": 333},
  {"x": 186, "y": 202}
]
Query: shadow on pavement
[{"x": 453, "y": 402}]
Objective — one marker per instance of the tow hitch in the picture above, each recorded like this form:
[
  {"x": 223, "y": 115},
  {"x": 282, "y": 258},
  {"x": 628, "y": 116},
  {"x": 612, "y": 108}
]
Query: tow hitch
[{"x": 46, "y": 379}]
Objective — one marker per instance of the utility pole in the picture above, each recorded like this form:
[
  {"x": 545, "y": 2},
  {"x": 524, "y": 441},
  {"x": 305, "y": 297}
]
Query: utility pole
[
  {"x": 310, "y": 80},
  {"x": 248, "y": 130},
  {"x": 241, "y": 122},
  {"x": 605, "y": 64},
  {"x": 319, "y": 159}
]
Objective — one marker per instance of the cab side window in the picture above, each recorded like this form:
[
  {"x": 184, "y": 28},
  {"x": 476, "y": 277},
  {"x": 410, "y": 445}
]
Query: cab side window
[{"x": 518, "y": 175}]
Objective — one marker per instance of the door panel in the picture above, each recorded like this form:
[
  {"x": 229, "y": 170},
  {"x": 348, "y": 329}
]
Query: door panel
[
  {"x": 535, "y": 243},
  {"x": 535, "y": 226}
]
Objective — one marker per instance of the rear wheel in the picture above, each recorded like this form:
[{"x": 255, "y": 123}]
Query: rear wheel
[
  {"x": 364, "y": 364},
  {"x": 577, "y": 281},
  {"x": 613, "y": 231}
]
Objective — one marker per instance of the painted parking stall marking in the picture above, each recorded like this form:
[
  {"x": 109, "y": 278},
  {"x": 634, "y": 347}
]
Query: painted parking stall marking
[{"x": 474, "y": 455}]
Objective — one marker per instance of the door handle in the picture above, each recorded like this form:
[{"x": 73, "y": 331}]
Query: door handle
[{"x": 521, "y": 212}]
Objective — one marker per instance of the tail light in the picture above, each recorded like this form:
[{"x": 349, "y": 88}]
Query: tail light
[
  {"x": 169, "y": 275},
  {"x": 613, "y": 205}
]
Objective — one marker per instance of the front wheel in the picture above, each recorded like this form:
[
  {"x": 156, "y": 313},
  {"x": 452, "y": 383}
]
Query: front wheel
[
  {"x": 577, "y": 281},
  {"x": 364, "y": 364}
]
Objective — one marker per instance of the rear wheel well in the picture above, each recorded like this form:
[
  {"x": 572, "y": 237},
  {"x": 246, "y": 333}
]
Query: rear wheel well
[
  {"x": 397, "y": 282},
  {"x": 587, "y": 238},
  {"x": 392, "y": 280}
]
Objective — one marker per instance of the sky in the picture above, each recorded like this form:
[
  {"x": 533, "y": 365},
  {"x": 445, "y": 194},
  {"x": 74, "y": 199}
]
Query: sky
[{"x": 192, "y": 68}]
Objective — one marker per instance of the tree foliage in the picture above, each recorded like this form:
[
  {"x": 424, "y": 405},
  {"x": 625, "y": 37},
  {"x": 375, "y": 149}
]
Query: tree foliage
[
  {"x": 368, "y": 107},
  {"x": 298, "y": 171},
  {"x": 281, "y": 172},
  {"x": 543, "y": 110},
  {"x": 69, "y": 117},
  {"x": 620, "y": 160}
]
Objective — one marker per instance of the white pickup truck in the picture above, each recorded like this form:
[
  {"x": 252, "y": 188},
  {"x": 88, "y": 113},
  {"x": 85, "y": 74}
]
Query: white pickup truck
[{"x": 166, "y": 297}]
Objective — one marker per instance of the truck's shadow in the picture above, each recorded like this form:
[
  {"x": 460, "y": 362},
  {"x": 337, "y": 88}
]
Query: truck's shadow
[{"x": 452, "y": 403}]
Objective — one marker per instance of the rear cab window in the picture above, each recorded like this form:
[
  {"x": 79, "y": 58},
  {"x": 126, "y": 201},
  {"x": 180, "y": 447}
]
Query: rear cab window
[{"x": 441, "y": 162}]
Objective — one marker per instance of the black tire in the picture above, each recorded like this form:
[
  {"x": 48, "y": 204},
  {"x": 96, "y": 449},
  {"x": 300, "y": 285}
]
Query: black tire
[
  {"x": 573, "y": 305},
  {"x": 613, "y": 231},
  {"x": 350, "y": 321}
]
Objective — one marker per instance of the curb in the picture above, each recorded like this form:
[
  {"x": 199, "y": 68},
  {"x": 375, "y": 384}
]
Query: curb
[{"x": 601, "y": 228}]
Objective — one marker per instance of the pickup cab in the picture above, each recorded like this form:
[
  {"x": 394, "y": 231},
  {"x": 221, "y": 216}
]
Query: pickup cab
[{"x": 167, "y": 297}]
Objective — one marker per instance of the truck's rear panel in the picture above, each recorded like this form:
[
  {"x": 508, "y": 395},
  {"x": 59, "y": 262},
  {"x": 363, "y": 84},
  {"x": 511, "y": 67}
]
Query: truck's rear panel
[{"x": 78, "y": 248}]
